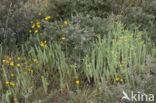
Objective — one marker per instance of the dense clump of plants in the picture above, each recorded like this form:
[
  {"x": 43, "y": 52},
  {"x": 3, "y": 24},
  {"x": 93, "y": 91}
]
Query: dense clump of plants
[{"x": 76, "y": 51}]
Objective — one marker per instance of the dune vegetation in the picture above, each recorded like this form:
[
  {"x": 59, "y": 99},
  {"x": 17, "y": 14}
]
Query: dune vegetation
[{"x": 76, "y": 51}]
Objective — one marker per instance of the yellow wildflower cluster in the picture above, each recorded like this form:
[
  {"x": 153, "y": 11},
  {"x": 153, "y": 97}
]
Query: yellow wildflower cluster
[
  {"x": 18, "y": 65},
  {"x": 10, "y": 83},
  {"x": 12, "y": 64},
  {"x": 33, "y": 26},
  {"x": 18, "y": 58},
  {"x": 43, "y": 44},
  {"x": 37, "y": 24},
  {"x": 118, "y": 79},
  {"x": 77, "y": 81},
  {"x": 36, "y": 61},
  {"x": 5, "y": 61},
  {"x": 47, "y": 18}
]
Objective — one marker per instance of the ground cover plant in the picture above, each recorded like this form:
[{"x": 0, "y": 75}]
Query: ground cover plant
[{"x": 77, "y": 51}]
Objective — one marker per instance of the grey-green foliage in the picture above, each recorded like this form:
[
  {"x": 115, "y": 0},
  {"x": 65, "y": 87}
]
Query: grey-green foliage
[
  {"x": 65, "y": 8},
  {"x": 13, "y": 21},
  {"x": 143, "y": 15},
  {"x": 140, "y": 12}
]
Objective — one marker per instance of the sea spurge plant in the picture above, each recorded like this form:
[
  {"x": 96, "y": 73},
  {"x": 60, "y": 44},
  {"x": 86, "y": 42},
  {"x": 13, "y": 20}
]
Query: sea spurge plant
[{"x": 112, "y": 55}]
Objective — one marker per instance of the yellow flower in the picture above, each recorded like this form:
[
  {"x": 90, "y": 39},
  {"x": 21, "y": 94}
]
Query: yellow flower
[
  {"x": 18, "y": 58},
  {"x": 117, "y": 79},
  {"x": 37, "y": 23},
  {"x": 12, "y": 75},
  {"x": 47, "y": 18},
  {"x": 36, "y": 31},
  {"x": 15, "y": 99},
  {"x": 18, "y": 65},
  {"x": 30, "y": 31},
  {"x": 38, "y": 26},
  {"x": 13, "y": 84},
  {"x": 77, "y": 82},
  {"x": 4, "y": 61},
  {"x": 35, "y": 60},
  {"x": 47, "y": 83},
  {"x": 7, "y": 82},
  {"x": 7, "y": 56},
  {"x": 42, "y": 44},
  {"x": 65, "y": 22},
  {"x": 45, "y": 41},
  {"x": 63, "y": 38},
  {"x": 121, "y": 80},
  {"x": 33, "y": 26},
  {"x": 10, "y": 59},
  {"x": 12, "y": 64},
  {"x": 45, "y": 45}
]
